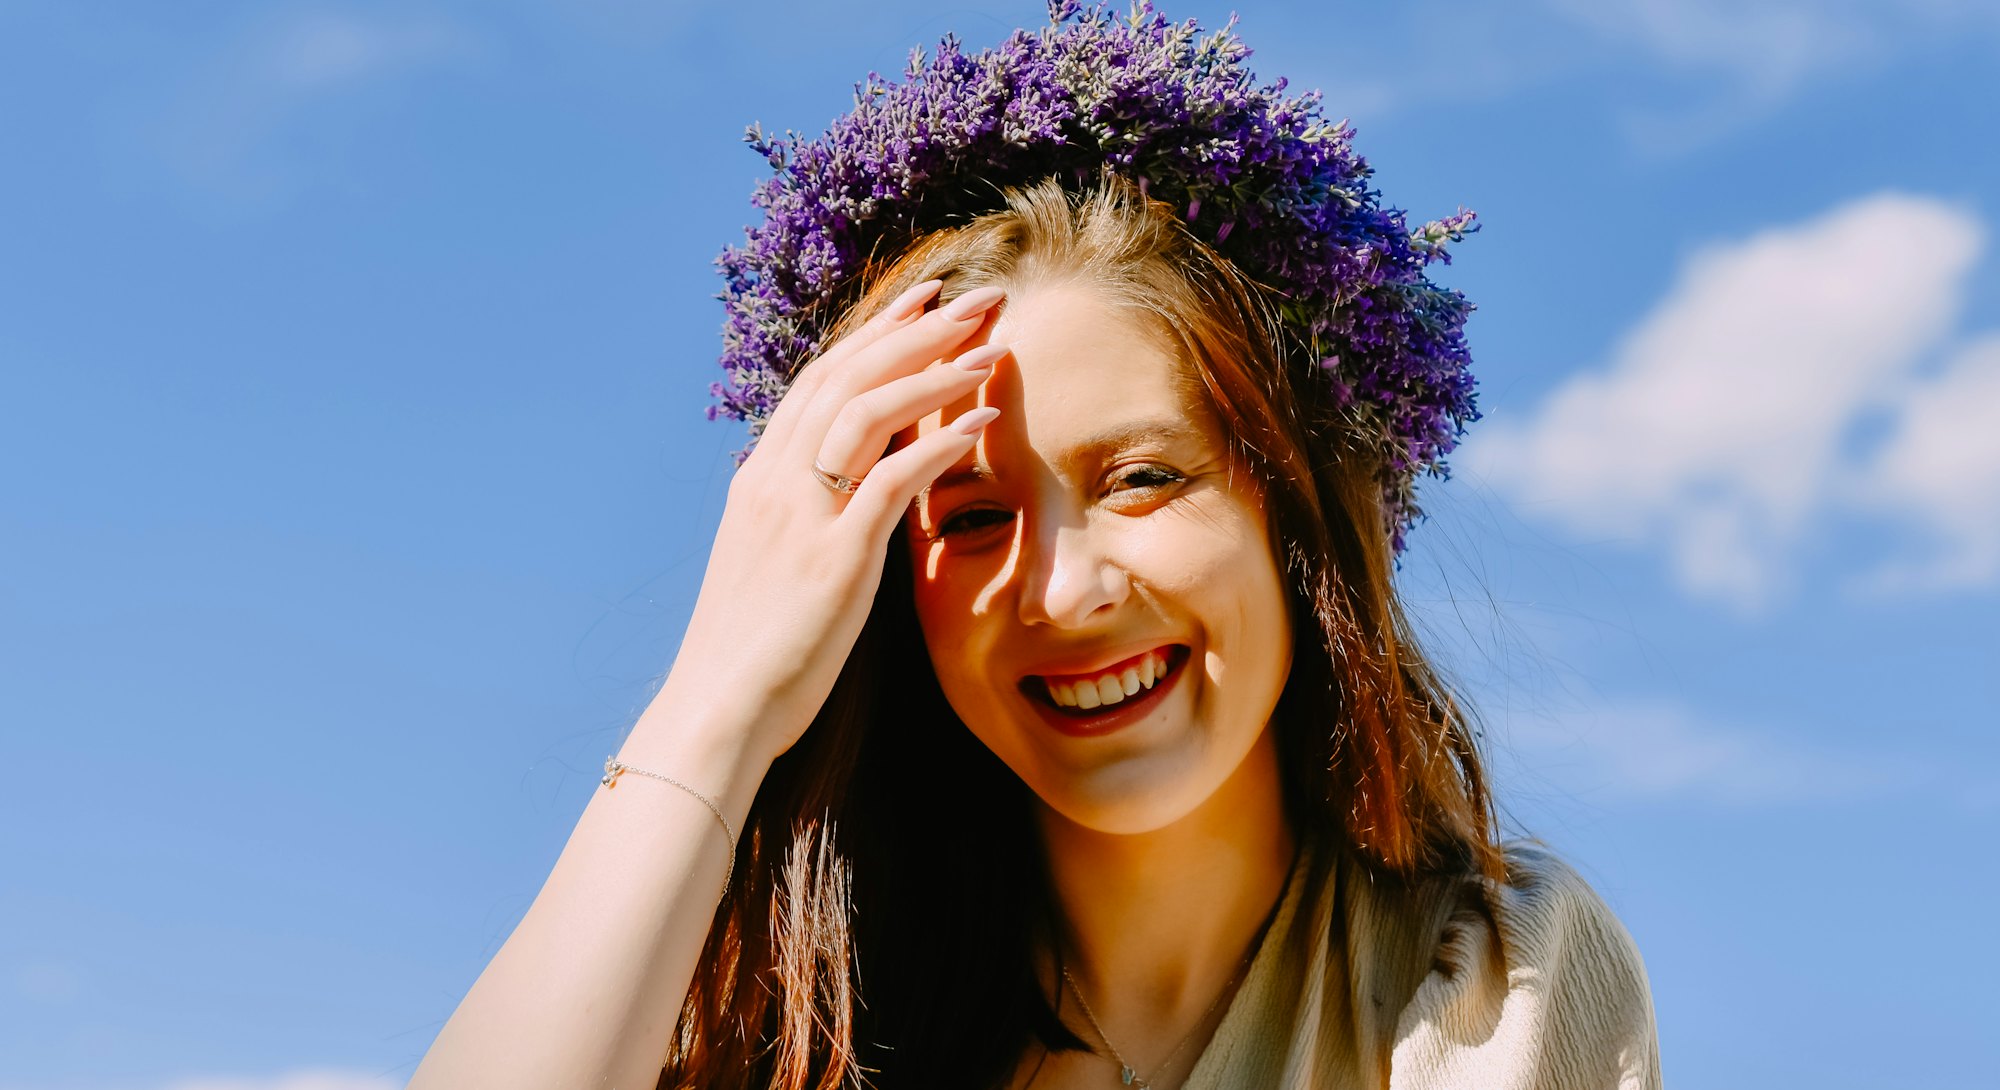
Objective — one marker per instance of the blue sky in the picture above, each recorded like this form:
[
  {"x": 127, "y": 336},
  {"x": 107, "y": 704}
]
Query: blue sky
[{"x": 355, "y": 486}]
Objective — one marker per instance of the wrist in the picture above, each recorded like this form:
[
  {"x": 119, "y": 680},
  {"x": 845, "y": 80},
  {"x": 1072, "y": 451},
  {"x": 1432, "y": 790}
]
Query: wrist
[{"x": 704, "y": 738}]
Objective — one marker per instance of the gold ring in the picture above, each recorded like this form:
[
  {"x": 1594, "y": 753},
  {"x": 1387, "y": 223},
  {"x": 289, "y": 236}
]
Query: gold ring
[{"x": 840, "y": 484}]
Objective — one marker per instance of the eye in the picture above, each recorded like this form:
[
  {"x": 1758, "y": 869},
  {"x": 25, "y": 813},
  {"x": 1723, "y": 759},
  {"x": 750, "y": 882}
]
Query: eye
[
  {"x": 1151, "y": 476},
  {"x": 1142, "y": 478},
  {"x": 966, "y": 521}
]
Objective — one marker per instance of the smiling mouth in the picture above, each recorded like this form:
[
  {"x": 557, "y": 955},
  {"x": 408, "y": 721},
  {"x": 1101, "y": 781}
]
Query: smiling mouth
[{"x": 1109, "y": 692}]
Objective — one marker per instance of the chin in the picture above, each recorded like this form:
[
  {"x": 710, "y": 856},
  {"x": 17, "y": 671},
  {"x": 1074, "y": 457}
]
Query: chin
[{"x": 1136, "y": 797}]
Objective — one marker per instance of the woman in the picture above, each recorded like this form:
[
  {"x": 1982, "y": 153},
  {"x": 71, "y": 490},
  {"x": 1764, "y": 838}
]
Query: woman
[{"x": 1121, "y": 769}]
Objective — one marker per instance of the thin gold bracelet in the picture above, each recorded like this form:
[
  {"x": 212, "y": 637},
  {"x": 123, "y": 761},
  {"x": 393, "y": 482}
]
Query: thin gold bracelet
[{"x": 613, "y": 768}]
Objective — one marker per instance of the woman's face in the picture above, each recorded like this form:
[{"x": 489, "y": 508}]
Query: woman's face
[{"x": 1095, "y": 532}]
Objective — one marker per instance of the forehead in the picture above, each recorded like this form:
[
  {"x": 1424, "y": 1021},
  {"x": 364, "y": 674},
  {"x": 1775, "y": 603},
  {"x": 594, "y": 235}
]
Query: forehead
[{"x": 1081, "y": 370}]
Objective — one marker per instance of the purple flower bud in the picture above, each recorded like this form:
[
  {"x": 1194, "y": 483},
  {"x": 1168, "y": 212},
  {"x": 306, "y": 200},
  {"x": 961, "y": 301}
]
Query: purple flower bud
[{"x": 1093, "y": 90}]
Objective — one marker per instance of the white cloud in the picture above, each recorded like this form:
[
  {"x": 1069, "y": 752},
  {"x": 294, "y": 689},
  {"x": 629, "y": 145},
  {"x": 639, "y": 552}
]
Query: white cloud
[
  {"x": 1648, "y": 750},
  {"x": 1722, "y": 424},
  {"x": 1940, "y": 468},
  {"x": 1751, "y": 57}
]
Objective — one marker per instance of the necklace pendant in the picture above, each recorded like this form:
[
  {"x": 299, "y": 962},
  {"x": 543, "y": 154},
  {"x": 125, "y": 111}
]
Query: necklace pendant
[{"x": 1125, "y": 1074}]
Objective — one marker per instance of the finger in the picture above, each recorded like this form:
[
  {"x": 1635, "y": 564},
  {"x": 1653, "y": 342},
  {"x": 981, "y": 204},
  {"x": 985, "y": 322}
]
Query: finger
[
  {"x": 901, "y": 311},
  {"x": 866, "y": 423},
  {"x": 903, "y": 351},
  {"x": 895, "y": 481},
  {"x": 904, "y": 309}
]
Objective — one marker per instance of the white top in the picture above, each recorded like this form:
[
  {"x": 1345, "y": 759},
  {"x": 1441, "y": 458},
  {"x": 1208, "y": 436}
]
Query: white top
[{"x": 1453, "y": 982}]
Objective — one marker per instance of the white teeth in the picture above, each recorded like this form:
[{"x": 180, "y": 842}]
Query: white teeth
[{"x": 1111, "y": 688}]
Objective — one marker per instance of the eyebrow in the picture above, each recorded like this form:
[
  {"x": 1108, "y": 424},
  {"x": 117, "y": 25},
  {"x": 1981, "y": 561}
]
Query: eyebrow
[{"x": 1131, "y": 433}]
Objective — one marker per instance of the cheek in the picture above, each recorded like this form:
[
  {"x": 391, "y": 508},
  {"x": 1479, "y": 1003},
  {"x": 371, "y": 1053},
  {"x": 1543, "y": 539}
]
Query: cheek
[
  {"x": 1222, "y": 562},
  {"x": 944, "y": 611},
  {"x": 1211, "y": 549}
]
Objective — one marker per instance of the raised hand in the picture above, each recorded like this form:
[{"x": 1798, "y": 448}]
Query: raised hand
[{"x": 796, "y": 563}]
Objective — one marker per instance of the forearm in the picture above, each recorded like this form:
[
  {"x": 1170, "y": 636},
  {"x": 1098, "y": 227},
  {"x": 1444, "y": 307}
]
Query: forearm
[{"x": 587, "y": 990}]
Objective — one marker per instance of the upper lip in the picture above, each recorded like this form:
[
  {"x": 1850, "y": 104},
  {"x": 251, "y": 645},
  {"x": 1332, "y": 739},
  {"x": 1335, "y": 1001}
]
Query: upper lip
[{"x": 1096, "y": 663}]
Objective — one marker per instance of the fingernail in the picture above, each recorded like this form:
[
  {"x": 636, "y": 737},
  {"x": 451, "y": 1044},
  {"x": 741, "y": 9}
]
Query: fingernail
[
  {"x": 969, "y": 422},
  {"x": 981, "y": 358},
  {"x": 911, "y": 301},
  {"x": 972, "y": 302}
]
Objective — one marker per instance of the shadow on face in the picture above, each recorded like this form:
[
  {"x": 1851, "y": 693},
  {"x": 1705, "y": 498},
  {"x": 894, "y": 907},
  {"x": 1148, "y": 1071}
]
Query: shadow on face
[{"x": 1098, "y": 518}]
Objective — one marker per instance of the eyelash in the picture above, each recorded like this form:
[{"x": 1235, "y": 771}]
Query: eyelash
[{"x": 1165, "y": 477}]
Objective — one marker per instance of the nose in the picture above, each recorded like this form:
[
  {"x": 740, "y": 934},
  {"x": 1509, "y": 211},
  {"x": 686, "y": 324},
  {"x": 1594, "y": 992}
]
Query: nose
[{"x": 1067, "y": 577}]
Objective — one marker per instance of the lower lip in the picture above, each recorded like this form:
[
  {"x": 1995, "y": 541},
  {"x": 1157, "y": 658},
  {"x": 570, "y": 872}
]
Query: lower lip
[{"x": 1102, "y": 721}]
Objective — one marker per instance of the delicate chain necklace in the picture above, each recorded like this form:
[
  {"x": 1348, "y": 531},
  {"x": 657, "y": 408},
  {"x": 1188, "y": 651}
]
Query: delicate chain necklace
[{"x": 1125, "y": 1072}]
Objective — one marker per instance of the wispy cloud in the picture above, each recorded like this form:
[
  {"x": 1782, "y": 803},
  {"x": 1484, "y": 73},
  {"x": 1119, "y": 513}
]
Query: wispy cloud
[
  {"x": 1687, "y": 72},
  {"x": 220, "y": 132},
  {"x": 1940, "y": 469},
  {"x": 1748, "y": 58},
  {"x": 49, "y": 983},
  {"x": 1649, "y": 750},
  {"x": 1725, "y": 423},
  {"x": 1394, "y": 62},
  {"x": 321, "y": 50}
]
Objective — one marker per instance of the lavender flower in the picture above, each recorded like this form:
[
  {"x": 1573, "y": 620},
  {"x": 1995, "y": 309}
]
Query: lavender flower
[{"x": 1275, "y": 187}]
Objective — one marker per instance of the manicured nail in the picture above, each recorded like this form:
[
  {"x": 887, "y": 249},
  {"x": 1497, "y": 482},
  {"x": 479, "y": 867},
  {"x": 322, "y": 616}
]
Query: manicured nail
[
  {"x": 972, "y": 302},
  {"x": 981, "y": 358},
  {"x": 911, "y": 301},
  {"x": 969, "y": 422}
]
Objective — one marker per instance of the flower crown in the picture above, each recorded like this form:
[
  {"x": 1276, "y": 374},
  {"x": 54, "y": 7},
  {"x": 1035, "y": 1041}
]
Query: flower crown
[{"x": 1265, "y": 181}]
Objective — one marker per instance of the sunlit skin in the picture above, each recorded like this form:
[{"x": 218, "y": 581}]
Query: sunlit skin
[{"x": 1166, "y": 840}]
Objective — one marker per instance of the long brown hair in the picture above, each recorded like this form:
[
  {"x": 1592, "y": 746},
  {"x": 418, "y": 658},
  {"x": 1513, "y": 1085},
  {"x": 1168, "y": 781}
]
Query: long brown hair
[{"x": 880, "y": 929}]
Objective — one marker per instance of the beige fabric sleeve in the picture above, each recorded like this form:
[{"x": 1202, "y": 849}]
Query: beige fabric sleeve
[{"x": 1536, "y": 985}]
